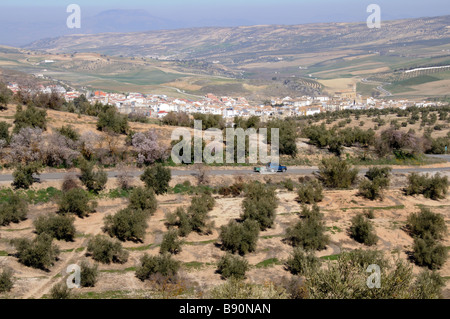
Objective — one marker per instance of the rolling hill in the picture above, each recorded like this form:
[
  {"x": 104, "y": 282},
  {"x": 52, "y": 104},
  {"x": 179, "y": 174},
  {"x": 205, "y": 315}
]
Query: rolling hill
[
  {"x": 257, "y": 61},
  {"x": 240, "y": 44}
]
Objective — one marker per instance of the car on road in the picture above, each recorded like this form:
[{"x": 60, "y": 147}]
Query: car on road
[{"x": 270, "y": 168}]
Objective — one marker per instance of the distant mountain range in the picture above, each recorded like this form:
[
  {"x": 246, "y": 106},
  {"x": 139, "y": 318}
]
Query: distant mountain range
[
  {"x": 107, "y": 21},
  {"x": 20, "y": 28},
  {"x": 236, "y": 45}
]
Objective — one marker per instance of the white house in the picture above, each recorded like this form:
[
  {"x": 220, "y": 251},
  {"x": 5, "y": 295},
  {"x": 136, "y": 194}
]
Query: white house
[{"x": 312, "y": 111}]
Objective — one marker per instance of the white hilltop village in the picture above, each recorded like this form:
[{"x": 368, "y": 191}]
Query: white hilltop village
[{"x": 158, "y": 106}]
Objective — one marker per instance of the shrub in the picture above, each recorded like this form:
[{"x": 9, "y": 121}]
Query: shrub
[
  {"x": 232, "y": 267},
  {"x": 127, "y": 224},
  {"x": 310, "y": 192},
  {"x": 370, "y": 214},
  {"x": 287, "y": 135},
  {"x": 106, "y": 251},
  {"x": 76, "y": 201},
  {"x": 31, "y": 117},
  {"x": 429, "y": 253},
  {"x": 295, "y": 287},
  {"x": 234, "y": 190},
  {"x": 260, "y": 204},
  {"x": 48, "y": 100},
  {"x": 14, "y": 210},
  {"x": 251, "y": 122},
  {"x": 89, "y": 274},
  {"x": 143, "y": 199},
  {"x": 39, "y": 253},
  {"x": 337, "y": 173},
  {"x": 308, "y": 233},
  {"x": 370, "y": 190},
  {"x": 59, "y": 227},
  {"x": 241, "y": 238},
  {"x": 158, "y": 178},
  {"x": 180, "y": 219},
  {"x": 300, "y": 262},
  {"x": 362, "y": 231},
  {"x": 23, "y": 175},
  {"x": 207, "y": 199},
  {"x": 60, "y": 291},
  {"x": 196, "y": 217},
  {"x": 364, "y": 258},
  {"x": 69, "y": 132},
  {"x": 238, "y": 289},
  {"x": 378, "y": 179},
  {"x": 416, "y": 184},
  {"x": 177, "y": 119},
  {"x": 210, "y": 121},
  {"x": 110, "y": 120},
  {"x": 438, "y": 145},
  {"x": 152, "y": 265},
  {"x": 428, "y": 285},
  {"x": 314, "y": 212},
  {"x": 5, "y": 96},
  {"x": 4, "y": 132},
  {"x": 198, "y": 213},
  {"x": 138, "y": 118},
  {"x": 70, "y": 182},
  {"x": 288, "y": 184},
  {"x": 94, "y": 181},
  {"x": 170, "y": 243},
  {"x": 435, "y": 187},
  {"x": 379, "y": 173},
  {"x": 6, "y": 281},
  {"x": 427, "y": 224},
  {"x": 347, "y": 278}
]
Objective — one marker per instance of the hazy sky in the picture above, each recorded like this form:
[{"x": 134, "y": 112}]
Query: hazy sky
[{"x": 23, "y": 21}]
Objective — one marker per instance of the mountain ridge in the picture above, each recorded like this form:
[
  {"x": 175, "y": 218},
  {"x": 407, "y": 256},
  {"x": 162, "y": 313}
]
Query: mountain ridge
[{"x": 229, "y": 42}]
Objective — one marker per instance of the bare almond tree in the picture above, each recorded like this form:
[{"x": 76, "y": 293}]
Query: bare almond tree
[
  {"x": 148, "y": 148},
  {"x": 125, "y": 178},
  {"x": 26, "y": 146},
  {"x": 58, "y": 150},
  {"x": 202, "y": 174},
  {"x": 89, "y": 144}
]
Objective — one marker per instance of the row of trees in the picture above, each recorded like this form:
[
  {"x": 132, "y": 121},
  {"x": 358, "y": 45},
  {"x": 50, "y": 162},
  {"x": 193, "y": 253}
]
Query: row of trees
[
  {"x": 334, "y": 139},
  {"x": 336, "y": 173},
  {"x": 414, "y": 112},
  {"x": 65, "y": 147},
  {"x": 287, "y": 128},
  {"x": 394, "y": 142},
  {"x": 42, "y": 253},
  {"x": 308, "y": 235}
]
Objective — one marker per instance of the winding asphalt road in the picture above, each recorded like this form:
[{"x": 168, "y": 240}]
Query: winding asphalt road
[
  {"x": 244, "y": 171},
  {"x": 379, "y": 88}
]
